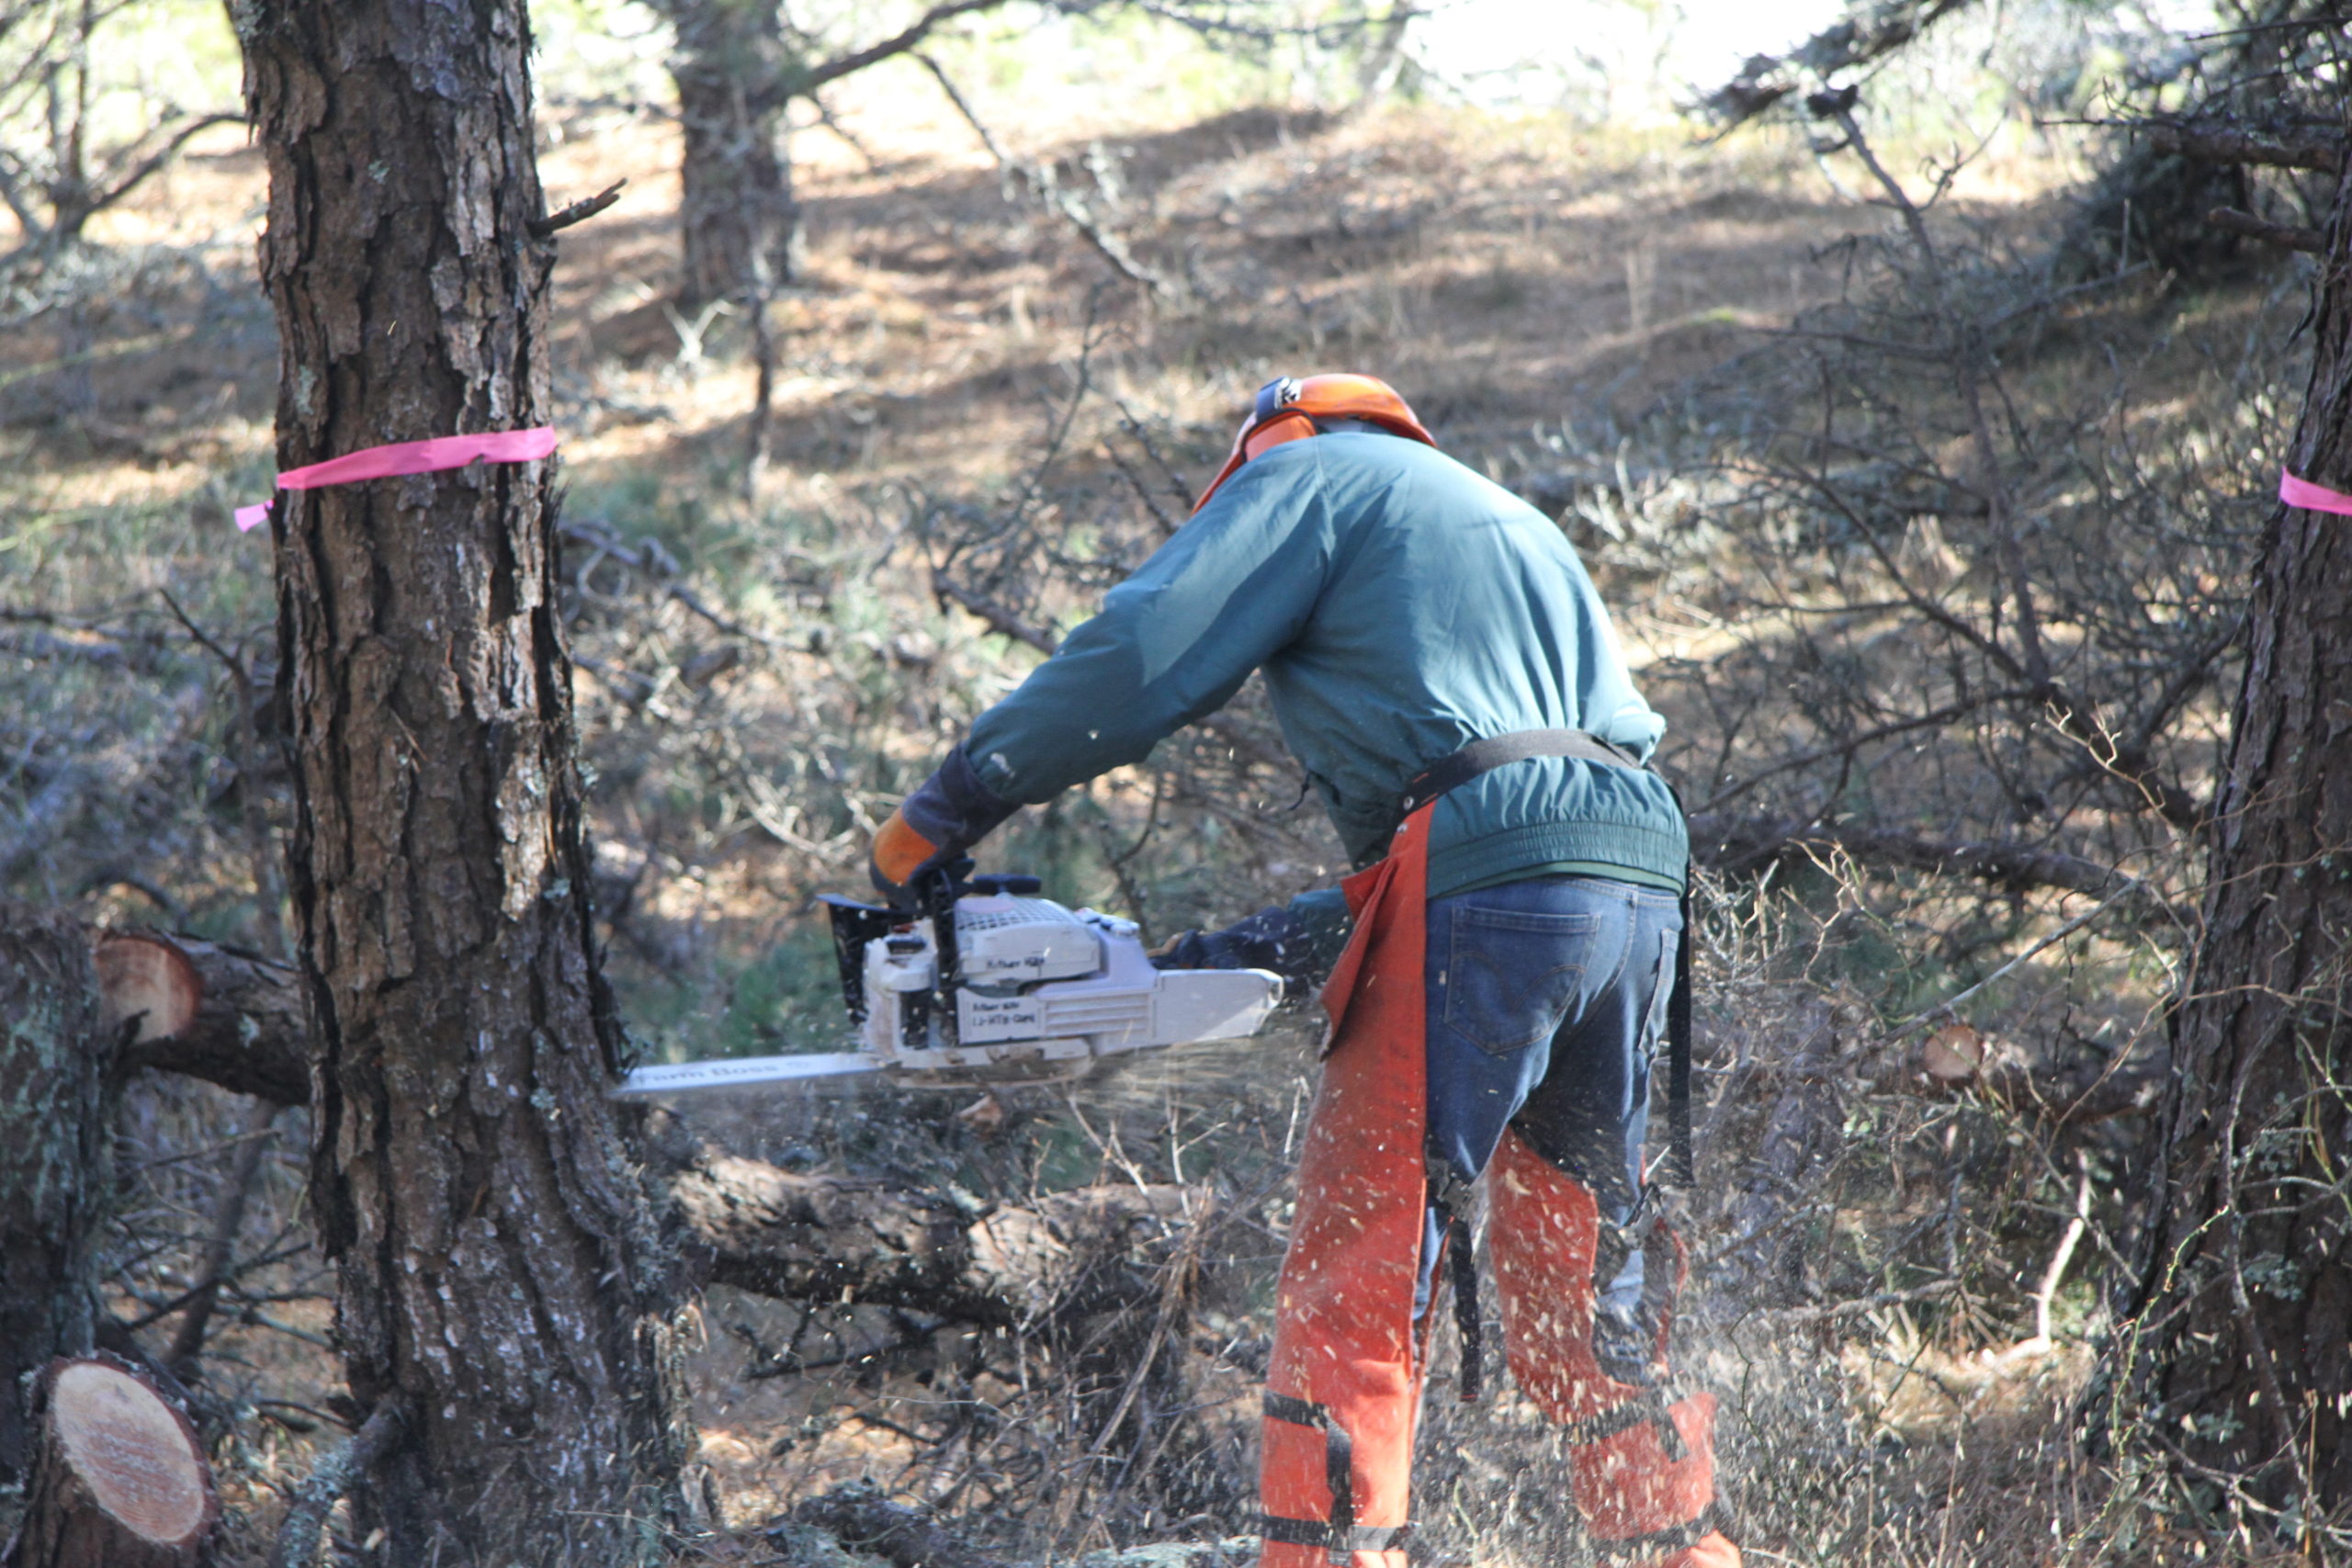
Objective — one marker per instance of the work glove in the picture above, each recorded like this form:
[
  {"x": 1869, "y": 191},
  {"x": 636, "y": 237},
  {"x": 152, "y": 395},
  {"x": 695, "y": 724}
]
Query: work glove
[
  {"x": 1273, "y": 939},
  {"x": 932, "y": 828}
]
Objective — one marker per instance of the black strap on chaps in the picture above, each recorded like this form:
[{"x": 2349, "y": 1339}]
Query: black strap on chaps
[
  {"x": 1449, "y": 1199},
  {"x": 1652, "y": 1405},
  {"x": 1340, "y": 1536}
]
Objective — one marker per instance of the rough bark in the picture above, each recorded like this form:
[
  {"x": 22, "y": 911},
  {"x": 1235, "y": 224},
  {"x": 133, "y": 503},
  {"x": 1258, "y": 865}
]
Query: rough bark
[
  {"x": 503, "y": 1283},
  {"x": 55, "y": 1176},
  {"x": 2236, "y": 1355},
  {"x": 119, "y": 1482},
  {"x": 738, "y": 222}
]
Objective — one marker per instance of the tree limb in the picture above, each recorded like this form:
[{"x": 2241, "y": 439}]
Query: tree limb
[
  {"x": 2311, "y": 150},
  {"x": 1867, "y": 34},
  {"x": 1737, "y": 844},
  {"x": 133, "y": 177},
  {"x": 806, "y": 81},
  {"x": 335, "y": 1473},
  {"x": 830, "y": 1239},
  {"x": 245, "y": 1031},
  {"x": 2310, "y": 242},
  {"x": 577, "y": 212}
]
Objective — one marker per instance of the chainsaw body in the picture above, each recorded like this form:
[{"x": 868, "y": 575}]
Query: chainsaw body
[{"x": 989, "y": 983}]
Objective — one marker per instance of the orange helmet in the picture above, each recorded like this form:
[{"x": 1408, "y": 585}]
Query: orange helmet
[{"x": 1288, "y": 408}]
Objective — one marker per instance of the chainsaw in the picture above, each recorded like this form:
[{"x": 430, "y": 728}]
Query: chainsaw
[{"x": 984, "y": 983}]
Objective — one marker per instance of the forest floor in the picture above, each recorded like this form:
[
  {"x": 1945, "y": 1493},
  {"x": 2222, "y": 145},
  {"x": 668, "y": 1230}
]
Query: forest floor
[{"x": 954, "y": 354}]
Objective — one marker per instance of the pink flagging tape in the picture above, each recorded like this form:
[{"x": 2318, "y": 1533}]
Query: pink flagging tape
[
  {"x": 2312, "y": 497},
  {"x": 403, "y": 458}
]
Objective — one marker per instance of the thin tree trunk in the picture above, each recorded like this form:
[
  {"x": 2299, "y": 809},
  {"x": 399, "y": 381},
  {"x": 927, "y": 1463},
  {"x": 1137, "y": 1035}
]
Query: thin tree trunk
[
  {"x": 505, "y": 1285},
  {"x": 2237, "y": 1353},
  {"x": 737, "y": 219},
  {"x": 56, "y": 1116}
]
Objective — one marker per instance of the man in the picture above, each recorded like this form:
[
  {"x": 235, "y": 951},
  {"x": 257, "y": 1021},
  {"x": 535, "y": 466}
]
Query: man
[{"x": 1444, "y": 669}]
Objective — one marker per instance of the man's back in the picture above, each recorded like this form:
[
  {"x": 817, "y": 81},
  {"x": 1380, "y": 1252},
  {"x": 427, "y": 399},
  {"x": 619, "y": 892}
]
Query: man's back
[{"x": 1401, "y": 606}]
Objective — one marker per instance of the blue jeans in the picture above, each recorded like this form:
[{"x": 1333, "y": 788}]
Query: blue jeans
[{"x": 1547, "y": 1000}]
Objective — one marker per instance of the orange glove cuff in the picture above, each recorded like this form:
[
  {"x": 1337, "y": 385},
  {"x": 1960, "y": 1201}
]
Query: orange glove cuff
[{"x": 899, "y": 850}]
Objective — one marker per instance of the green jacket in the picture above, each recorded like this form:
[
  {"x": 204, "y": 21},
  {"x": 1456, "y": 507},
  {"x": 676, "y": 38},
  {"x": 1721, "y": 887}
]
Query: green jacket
[{"x": 1401, "y": 606}]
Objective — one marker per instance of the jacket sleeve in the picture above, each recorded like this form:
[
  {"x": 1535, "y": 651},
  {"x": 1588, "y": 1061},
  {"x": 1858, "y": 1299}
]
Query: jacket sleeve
[{"x": 1173, "y": 642}]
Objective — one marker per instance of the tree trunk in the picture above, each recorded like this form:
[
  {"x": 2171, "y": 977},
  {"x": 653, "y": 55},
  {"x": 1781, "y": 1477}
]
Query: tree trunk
[
  {"x": 120, "y": 1482},
  {"x": 56, "y": 1121},
  {"x": 503, "y": 1283},
  {"x": 2237, "y": 1353},
  {"x": 737, "y": 220}
]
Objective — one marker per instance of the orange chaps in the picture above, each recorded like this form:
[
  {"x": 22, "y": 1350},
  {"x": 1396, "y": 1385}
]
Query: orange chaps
[{"x": 1344, "y": 1384}]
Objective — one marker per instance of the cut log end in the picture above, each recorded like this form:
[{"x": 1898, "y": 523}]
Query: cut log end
[
  {"x": 1952, "y": 1055},
  {"x": 120, "y": 1480},
  {"x": 147, "y": 978}
]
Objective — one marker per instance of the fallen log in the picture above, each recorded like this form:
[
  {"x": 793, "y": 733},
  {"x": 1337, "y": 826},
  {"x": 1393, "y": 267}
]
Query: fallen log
[
  {"x": 837, "y": 1238},
  {"x": 235, "y": 1019},
  {"x": 119, "y": 1480}
]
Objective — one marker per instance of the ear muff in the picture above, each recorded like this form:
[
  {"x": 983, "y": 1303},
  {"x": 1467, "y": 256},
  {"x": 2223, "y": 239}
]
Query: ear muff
[{"x": 1288, "y": 425}]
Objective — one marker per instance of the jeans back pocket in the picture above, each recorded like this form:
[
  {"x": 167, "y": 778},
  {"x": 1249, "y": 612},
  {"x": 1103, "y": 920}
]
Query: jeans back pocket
[{"x": 1513, "y": 976}]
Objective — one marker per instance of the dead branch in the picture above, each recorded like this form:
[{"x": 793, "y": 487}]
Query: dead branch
[
  {"x": 577, "y": 212},
  {"x": 2231, "y": 220},
  {"x": 1740, "y": 844},
  {"x": 806, "y": 81},
  {"x": 2310, "y": 150},
  {"x": 188, "y": 1340},
  {"x": 1867, "y": 33},
  {"x": 336, "y": 1471},
  {"x": 648, "y": 559},
  {"x": 1000, "y": 619}
]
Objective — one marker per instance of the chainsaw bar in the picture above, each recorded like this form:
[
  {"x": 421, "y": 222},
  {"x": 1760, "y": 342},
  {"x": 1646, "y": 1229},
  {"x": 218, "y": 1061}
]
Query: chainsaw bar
[
  {"x": 1059, "y": 1061},
  {"x": 743, "y": 1072}
]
